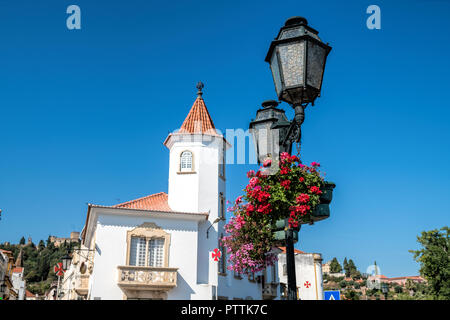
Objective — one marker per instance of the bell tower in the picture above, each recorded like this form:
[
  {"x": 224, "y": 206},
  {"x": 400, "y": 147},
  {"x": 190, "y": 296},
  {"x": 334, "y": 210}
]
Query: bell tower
[{"x": 197, "y": 176}]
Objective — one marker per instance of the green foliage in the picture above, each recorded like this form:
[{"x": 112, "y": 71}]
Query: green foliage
[
  {"x": 38, "y": 263},
  {"x": 398, "y": 289},
  {"x": 22, "y": 240},
  {"x": 335, "y": 266},
  {"x": 434, "y": 259},
  {"x": 351, "y": 295},
  {"x": 343, "y": 284}
]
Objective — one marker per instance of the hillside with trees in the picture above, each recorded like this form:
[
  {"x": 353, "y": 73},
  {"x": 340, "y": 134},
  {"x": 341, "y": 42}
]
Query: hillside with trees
[{"x": 38, "y": 262}]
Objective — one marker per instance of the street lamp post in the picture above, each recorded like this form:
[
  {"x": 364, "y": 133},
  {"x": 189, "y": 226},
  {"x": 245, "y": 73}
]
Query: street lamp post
[{"x": 297, "y": 60}]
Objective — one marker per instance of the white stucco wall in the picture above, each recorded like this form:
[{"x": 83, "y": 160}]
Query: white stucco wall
[
  {"x": 306, "y": 269},
  {"x": 111, "y": 248}
]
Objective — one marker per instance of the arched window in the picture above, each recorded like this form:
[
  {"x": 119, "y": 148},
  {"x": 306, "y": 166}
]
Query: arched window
[{"x": 186, "y": 161}]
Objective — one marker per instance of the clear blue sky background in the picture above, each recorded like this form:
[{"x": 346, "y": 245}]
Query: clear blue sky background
[{"x": 83, "y": 114}]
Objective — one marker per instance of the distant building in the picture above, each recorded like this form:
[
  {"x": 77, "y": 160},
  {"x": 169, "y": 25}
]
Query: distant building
[
  {"x": 74, "y": 238},
  {"x": 30, "y": 296},
  {"x": 326, "y": 267},
  {"x": 17, "y": 277},
  {"x": 398, "y": 280},
  {"x": 6, "y": 268}
]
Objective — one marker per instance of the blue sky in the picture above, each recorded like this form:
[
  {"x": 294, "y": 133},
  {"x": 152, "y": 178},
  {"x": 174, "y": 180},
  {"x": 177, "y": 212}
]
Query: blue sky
[{"x": 83, "y": 113}]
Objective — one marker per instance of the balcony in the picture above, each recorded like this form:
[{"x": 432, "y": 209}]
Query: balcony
[
  {"x": 82, "y": 284},
  {"x": 269, "y": 291},
  {"x": 132, "y": 278}
]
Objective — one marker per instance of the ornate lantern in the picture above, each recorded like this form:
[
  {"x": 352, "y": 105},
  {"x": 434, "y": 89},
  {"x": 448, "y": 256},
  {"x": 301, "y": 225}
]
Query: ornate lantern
[
  {"x": 297, "y": 58},
  {"x": 66, "y": 260},
  {"x": 267, "y": 128}
]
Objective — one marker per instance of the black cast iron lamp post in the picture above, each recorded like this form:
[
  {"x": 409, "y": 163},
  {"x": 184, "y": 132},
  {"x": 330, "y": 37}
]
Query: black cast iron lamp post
[{"x": 297, "y": 59}]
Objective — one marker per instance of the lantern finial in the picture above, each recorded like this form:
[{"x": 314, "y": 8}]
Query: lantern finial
[{"x": 200, "y": 87}]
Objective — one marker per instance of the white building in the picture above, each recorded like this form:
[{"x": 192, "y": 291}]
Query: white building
[
  {"x": 308, "y": 274},
  {"x": 161, "y": 246},
  {"x": 18, "y": 282}
]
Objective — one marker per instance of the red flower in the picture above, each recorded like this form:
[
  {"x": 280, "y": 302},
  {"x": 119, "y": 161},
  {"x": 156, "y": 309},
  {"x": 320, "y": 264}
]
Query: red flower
[
  {"x": 315, "y": 190},
  {"x": 315, "y": 164},
  {"x": 250, "y": 174},
  {"x": 285, "y": 170},
  {"x": 250, "y": 209},
  {"x": 294, "y": 158},
  {"x": 265, "y": 209},
  {"x": 267, "y": 163},
  {"x": 303, "y": 198},
  {"x": 286, "y": 184},
  {"x": 301, "y": 179},
  {"x": 302, "y": 209},
  {"x": 293, "y": 223}
]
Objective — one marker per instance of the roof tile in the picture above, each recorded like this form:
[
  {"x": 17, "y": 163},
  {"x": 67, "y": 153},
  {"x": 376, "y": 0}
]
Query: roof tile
[
  {"x": 157, "y": 201},
  {"x": 198, "y": 120}
]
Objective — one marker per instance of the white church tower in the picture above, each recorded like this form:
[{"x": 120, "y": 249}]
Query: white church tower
[{"x": 197, "y": 179}]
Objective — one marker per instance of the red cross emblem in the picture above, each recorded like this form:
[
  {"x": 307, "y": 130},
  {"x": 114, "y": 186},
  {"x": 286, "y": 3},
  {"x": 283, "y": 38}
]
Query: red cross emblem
[
  {"x": 216, "y": 254},
  {"x": 59, "y": 269},
  {"x": 307, "y": 284}
]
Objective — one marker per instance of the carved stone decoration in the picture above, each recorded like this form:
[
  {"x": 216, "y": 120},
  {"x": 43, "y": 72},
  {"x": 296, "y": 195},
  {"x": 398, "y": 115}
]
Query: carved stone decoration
[{"x": 146, "y": 282}]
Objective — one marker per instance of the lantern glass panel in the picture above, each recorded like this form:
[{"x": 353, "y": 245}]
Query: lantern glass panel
[
  {"x": 276, "y": 72},
  {"x": 262, "y": 137},
  {"x": 292, "y": 63},
  {"x": 66, "y": 260},
  {"x": 315, "y": 64}
]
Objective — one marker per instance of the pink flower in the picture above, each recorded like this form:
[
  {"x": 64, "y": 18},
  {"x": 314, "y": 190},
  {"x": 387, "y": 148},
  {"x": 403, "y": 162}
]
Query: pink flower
[
  {"x": 284, "y": 156},
  {"x": 250, "y": 174},
  {"x": 315, "y": 164},
  {"x": 253, "y": 182}
]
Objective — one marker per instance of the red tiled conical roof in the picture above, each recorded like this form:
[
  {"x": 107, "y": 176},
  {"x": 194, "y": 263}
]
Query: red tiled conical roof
[{"x": 198, "y": 120}]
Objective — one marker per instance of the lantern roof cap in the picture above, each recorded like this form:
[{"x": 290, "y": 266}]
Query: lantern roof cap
[
  {"x": 297, "y": 20},
  {"x": 269, "y": 104}
]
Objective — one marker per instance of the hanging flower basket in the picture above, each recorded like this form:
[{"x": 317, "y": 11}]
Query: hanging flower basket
[{"x": 290, "y": 191}]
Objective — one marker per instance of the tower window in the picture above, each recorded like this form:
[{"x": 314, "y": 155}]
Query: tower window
[{"x": 186, "y": 161}]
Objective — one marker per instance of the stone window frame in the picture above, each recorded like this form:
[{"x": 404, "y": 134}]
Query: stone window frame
[
  {"x": 192, "y": 163},
  {"x": 149, "y": 231}
]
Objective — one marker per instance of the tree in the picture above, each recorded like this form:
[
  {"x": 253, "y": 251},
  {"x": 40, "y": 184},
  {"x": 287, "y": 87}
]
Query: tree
[
  {"x": 398, "y": 289},
  {"x": 41, "y": 245},
  {"x": 434, "y": 259},
  {"x": 352, "y": 271},
  {"x": 347, "y": 273},
  {"x": 22, "y": 240},
  {"x": 335, "y": 266}
]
